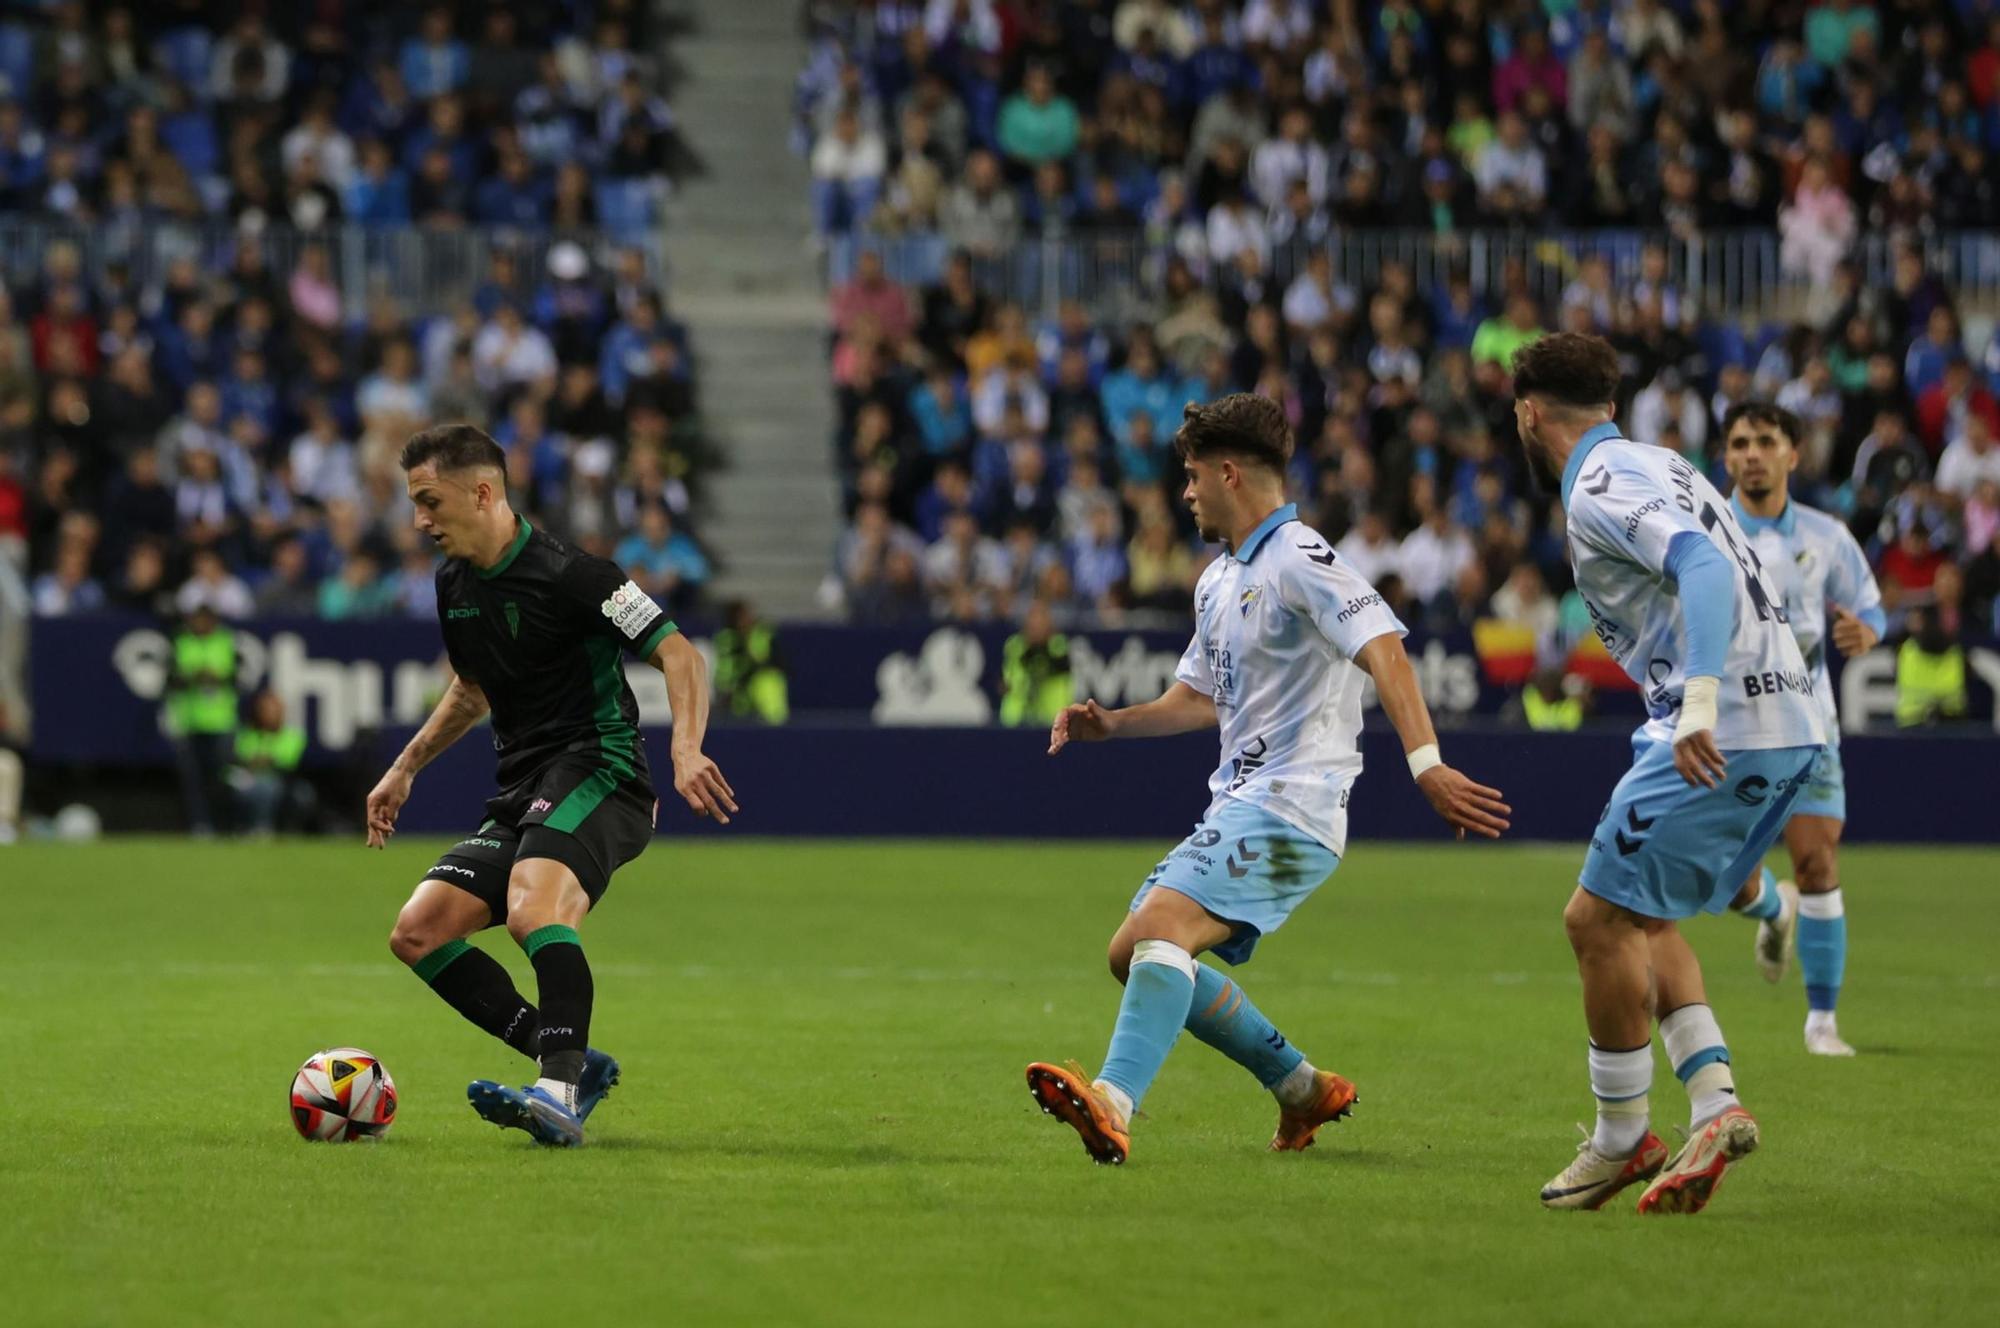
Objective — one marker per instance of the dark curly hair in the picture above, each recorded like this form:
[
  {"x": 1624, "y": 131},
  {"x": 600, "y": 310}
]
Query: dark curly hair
[
  {"x": 1241, "y": 425},
  {"x": 1765, "y": 413},
  {"x": 1570, "y": 368}
]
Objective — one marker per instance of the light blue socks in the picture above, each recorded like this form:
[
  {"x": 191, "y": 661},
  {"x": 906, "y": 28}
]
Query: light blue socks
[
  {"x": 1223, "y": 1017},
  {"x": 1822, "y": 948},
  {"x": 1767, "y": 905},
  {"x": 1158, "y": 994}
]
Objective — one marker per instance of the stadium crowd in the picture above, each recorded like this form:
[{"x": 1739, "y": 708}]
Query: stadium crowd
[
  {"x": 218, "y": 426},
  {"x": 996, "y": 454}
]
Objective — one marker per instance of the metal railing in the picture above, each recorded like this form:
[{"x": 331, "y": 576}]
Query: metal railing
[
  {"x": 424, "y": 269},
  {"x": 1734, "y": 273}
]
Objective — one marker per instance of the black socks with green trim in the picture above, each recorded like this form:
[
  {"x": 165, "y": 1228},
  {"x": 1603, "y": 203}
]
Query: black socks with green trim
[
  {"x": 473, "y": 983},
  {"x": 563, "y": 977}
]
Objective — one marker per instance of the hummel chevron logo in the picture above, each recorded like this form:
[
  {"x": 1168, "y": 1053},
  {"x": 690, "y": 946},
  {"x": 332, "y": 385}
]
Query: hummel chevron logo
[
  {"x": 1242, "y": 851},
  {"x": 1640, "y": 825},
  {"x": 1597, "y": 481},
  {"x": 1324, "y": 558}
]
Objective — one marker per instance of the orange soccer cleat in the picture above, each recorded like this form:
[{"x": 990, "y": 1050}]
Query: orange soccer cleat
[
  {"x": 1066, "y": 1093},
  {"x": 1694, "y": 1175},
  {"x": 1333, "y": 1099}
]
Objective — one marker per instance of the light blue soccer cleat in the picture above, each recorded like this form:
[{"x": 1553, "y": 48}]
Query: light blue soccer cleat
[
  {"x": 545, "y": 1119},
  {"x": 600, "y": 1076}
]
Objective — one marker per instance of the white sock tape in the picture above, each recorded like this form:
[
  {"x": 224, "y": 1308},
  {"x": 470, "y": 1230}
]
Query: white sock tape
[
  {"x": 1822, "y": 908},
  {"x": 1166, "y": 954}
]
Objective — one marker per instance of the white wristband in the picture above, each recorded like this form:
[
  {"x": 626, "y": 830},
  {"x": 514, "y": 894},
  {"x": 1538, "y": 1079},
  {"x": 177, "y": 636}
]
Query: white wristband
[
  {"x": 1697, "y": 707},
  {"x": 1423, "y": 759}
]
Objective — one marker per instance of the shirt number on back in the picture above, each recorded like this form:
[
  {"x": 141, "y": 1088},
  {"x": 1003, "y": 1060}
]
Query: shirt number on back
[{"x": 1752, "y": 566}]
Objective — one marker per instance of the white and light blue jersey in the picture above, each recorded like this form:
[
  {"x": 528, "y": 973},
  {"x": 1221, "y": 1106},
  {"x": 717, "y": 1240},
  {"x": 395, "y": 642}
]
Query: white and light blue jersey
[
  {"x": 1815, "y": 565},
  {"x": 1626, "y": 502},
  {"x": 1277, "y": 625}
]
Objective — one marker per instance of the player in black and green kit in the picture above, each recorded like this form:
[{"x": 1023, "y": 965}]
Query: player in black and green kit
[{"x": 535, "y": 632}]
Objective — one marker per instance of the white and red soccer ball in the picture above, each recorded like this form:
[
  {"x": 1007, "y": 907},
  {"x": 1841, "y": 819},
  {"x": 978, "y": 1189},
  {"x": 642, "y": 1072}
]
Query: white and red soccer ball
[{"x": 342, "y": 1095}]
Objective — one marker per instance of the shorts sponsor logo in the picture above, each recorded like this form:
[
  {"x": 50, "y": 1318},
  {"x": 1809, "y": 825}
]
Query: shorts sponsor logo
[
  {"x": 1751, "y": 790},
  {"x": 1205, "y": 838},
  {"x": 631, "y": 610},
  {"x": 541, "y": 805}
]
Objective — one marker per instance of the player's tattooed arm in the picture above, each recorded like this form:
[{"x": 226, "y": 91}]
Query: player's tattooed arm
[
  {"x": 1463, "y": 804},
  {"x": 461, "y": 706},
  {"x": 696, "y": 778},
  {"x": 1180, "y": 709}
]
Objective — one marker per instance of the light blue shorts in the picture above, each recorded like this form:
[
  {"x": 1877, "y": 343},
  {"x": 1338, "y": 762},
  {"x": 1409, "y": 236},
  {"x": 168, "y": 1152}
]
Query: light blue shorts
[
  {"x": 1247, "y": 868},
  {"x": 1826, "y": 788},
  {"x": 1669, "y": 849}
]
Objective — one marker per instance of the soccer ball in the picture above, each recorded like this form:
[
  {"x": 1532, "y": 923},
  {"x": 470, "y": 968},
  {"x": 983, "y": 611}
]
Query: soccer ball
[{"x": 341, "y": 1095}]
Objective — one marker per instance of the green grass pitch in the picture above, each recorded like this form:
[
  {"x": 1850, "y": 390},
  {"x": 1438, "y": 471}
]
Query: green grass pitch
[{"x": 823, "y": 1118}]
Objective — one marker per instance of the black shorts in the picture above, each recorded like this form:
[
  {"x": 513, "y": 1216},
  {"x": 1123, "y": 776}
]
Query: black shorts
[{"x": 573, "y": 810}]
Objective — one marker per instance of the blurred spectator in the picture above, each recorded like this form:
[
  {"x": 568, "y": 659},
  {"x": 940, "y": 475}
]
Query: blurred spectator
[
  {"x": 1035, "y": 680},
  {"x": 1038, "y": 124},
  {"x": 1434, "y": 555},
  {"x": 1818, "y": 225},
  {"x": 666, "y": 563},
  {"x": 981, "y": 215},
  {"x": 750, "y": 681},
  {"x": 1971, "y": 460},
  {"x": 848, "y": 164},
  {"x": 264, "y": 777},
  {"x": 1930, "y": 673},
  {"x": 1547, "y": 704},
  {"x": 200, "y": 701},
  {"x": 1943, "y": 410}
]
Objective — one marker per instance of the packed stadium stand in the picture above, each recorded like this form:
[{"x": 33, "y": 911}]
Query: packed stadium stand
[
  {"x": 1051, "y": 226},
  {"x": 250, "y": 248}
]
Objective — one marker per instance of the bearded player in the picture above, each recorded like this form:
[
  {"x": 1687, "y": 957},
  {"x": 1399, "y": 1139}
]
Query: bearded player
[
  {"x": 1821, "y": 574},
  {"x": 1678, "y": 597},
  {"x": 535, "y": 631}
]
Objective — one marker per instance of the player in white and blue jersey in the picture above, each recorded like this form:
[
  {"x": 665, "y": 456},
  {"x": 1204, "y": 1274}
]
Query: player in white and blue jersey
[
  {"x": 1820, "y": 573},
  {"x": 1677, "y": 595},
  {"x": 1284, "y": 632}
]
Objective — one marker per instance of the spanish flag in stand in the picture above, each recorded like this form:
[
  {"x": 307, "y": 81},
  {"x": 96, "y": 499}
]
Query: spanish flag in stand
[{"x": 1508, "y": 656}]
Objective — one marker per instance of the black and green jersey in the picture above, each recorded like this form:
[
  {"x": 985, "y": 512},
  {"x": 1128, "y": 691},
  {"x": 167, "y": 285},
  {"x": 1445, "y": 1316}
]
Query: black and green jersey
[{"x": 540, "y": 632}]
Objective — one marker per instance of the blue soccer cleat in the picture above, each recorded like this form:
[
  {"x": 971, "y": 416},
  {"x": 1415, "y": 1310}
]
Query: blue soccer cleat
[
  {"x": 545, "y": 1119},
  {"x": 600, "y": 1076}
]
